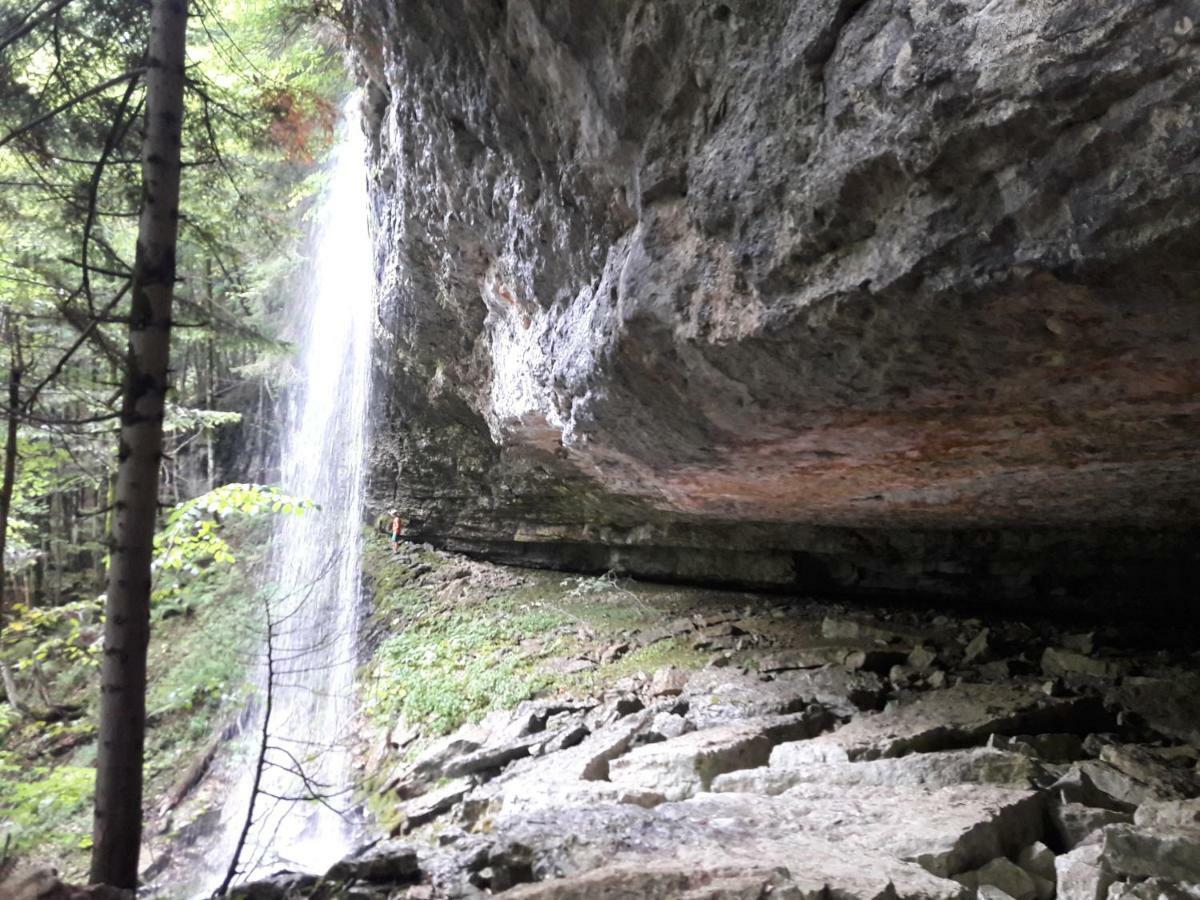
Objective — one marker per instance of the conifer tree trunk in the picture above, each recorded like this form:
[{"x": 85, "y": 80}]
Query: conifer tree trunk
[
  {"x": 9, "y": 479},
  {"x": 117, "y": 825}
]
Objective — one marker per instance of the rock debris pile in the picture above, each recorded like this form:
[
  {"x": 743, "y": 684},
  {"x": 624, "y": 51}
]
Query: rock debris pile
[{"x": 818, "y": 755}]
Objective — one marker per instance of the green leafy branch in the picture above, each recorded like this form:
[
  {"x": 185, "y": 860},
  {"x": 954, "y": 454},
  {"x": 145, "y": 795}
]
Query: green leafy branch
[{"x": 192, "y": 537}]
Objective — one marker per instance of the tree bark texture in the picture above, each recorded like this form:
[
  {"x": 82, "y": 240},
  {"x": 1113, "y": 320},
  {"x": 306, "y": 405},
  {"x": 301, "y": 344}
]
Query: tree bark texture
[
  {"x": 117, "y": 824},
  {"x": 10, "y": 476}
]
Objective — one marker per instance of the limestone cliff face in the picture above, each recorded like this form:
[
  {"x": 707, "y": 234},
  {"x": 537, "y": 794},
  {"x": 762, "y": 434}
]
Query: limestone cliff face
[{"x": 861, "y": 293}]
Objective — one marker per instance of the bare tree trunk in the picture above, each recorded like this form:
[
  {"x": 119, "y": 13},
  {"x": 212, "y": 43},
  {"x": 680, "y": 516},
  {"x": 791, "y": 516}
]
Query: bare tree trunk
[
  {"x": 117, "y": 824},
  {"x": 210, "y": 378},
  {"x": 15, "y": 371}
]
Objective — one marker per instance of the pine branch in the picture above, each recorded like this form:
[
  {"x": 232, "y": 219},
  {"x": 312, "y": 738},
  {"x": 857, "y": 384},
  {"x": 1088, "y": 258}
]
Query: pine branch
[
  {"x": 74, "y": 101},
  {"x": 30, "y": 24}
]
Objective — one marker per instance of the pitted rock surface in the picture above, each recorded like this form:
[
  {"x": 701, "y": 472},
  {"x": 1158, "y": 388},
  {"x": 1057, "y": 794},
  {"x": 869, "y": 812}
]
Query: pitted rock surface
[{"x": 890, "y": 294}]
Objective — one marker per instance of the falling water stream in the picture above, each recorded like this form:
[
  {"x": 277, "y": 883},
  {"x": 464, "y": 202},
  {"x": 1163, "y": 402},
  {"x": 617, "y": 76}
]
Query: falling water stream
[{"x": 301, "y": 815}]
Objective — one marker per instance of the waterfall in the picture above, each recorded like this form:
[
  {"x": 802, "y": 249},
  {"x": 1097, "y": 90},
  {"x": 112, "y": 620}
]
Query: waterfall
[
  {"x": 313, "y": 604},
  {"x": 315, "y": 614}
]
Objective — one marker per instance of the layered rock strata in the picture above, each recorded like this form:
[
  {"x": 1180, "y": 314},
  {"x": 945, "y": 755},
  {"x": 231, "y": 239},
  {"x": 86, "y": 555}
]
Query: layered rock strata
[{"x": 853, "y": 294}]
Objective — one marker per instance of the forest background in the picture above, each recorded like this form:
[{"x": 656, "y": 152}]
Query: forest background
[{"x": 264, "y": 80}]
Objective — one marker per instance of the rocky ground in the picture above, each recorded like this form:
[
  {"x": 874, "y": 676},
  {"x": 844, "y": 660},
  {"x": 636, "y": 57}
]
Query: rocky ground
[{"x": 798, "y": 749}]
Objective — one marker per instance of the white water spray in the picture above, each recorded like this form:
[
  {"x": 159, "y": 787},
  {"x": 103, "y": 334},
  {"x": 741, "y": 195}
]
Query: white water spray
[
  {"x": 319, "y": 555},
  {"x": 301, "y": 815}
]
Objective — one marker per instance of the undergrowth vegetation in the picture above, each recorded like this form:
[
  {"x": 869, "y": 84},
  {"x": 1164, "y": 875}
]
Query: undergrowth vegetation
[
  {"x": 442, "y": 672},
  {"x": 204, "y": 634},
  {"x": 449, "y": 650}
]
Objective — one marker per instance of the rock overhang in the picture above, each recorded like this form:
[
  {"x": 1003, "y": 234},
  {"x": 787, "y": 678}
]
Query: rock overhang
[{"x": 804, "y": 278}]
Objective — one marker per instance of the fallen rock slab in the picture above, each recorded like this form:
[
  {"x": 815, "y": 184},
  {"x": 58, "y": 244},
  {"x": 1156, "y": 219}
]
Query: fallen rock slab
[
  {"x": 944, "y": 831},
  {"x": 1160, "y": 852},
  {"x": 577, "y": 775},
  {"x": 1170, "y": 813},
  {"x": 958, "y": 716},
  {"x": 1057, "y": 662},
  {"x": 1038, "y": 859},
  {"x": 1171, "y": 706},
  {"x": 1148, "y": 766},
  {"x": 1133, "y": 790},
  {"x": 843, "y": 692},
  {"x": 1009, "y": 878},
  {"x": 432, "y": 804},
  {"x": 930, "y": 770},
  {"x": 685, "y": 765},
  {"x": 1080, "y": 876},
  {"x": 720, "y": 696},
  {"x": 706, "y": 848}
]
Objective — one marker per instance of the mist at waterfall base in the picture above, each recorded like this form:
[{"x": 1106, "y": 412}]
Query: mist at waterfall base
[{"x": 313, "y": 603}]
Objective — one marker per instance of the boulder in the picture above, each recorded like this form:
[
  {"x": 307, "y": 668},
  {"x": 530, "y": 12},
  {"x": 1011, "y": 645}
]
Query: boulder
[
  {"x": 1038, "y": 859},
  {"x": 1169, "y": 813},
  {"x": 687, "y": 764},
  {"x": 1057, "y": 662},
  {"x": 1152, "y": 782},
  {"x": 843, "y": 692},
  {"x": 613, "y": 709},
  {"x": 569, "y": 734},
  {"x": 931, "y": 770},
  {"x": 722, "y": 696},
  {"x": 853, "y": 657},
  {"x": 665, "y": 632},
  {"x": 1072, "y": 824},
  {"x": 1164, "y": 778},
  {"x": 1170, "y": 705},
  {"x": 667, "y": 725},
  {"x": 1152, "y": 889},
  {"x": 851, "y": 629},
  {"x": 432, "y": 804},
  {"x": 387, "y": 862},
  {"x": 1081, "y": 642},
  {"x": 494, "y": 756},
  {"x": 744, "y": 871},
  {"x": 613, "y": 652},
  {"x": 954, "y": 717},
  {"x": 922, "y": 658},
  {"x": 827, "y": 842},
  {"x": 1076, "y": 785},
  {"x": 668, "y": 682},
  {"x": 945, "y": 831},
  {"x": 976, "y": 648},
  {"x": 1009, "y": 878},
  {"x": 1080, "y": 875},
  {"x": 571, "y": 776},
  {"x": 429, "y": 765},
  {"x": 1158, "y": 852}
]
